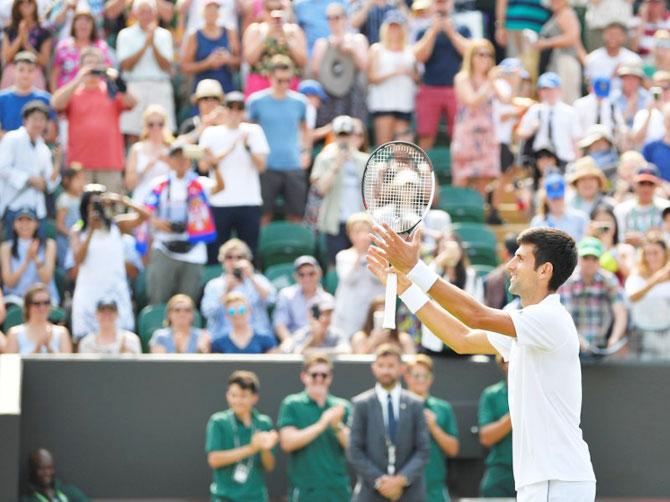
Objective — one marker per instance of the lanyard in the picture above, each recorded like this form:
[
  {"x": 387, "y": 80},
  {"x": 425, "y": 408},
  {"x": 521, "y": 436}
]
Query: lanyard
[
  {"x": 60, "y": 497},
  {"x": 236, "y": 439}
]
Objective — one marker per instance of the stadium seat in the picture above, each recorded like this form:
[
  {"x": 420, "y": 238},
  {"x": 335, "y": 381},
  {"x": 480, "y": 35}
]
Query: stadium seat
[
  {"x": 476, "y": 233},
  {"x": 440, "y": 156},
  {"x": 483, "y": 270},
  {"x": 140, "y": 290},
  {"x": 481, "y": 254},
  {"x": 50, "y": 231},
  {"x": 280, "y": 275},
  {"x": 462, "y": 204},
  {"x": 14, "y": 317},
  {"x": 330, "y": 281},
  {"x": 282, "y": 242},
  {"x": 210, "y": 272},
  {"x": 151, "y": 318}
]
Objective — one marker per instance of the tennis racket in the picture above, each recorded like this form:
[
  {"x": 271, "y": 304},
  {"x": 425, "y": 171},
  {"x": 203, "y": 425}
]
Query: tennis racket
[
  {"x": 398, "y": 187},
  {"x": 607, "y": 351}
]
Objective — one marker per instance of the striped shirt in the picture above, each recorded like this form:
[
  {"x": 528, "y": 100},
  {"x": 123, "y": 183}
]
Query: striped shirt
[{"x": 526, "y": 14}]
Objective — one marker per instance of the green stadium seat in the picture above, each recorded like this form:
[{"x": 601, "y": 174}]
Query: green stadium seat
[
  {"x": 440, "y": 156},
  {"x": 60, "y": 276},
  {"x": 140, "y": 290},
  {"x": 483, "y": 270},
  {"x": 330, "y": 281},
  {"x": 481, "y": 254},
  {"x": 462, "y": 204},
  {"x": 475, "y": 233},
  {"x": 210, "y": 272},
  {"x": 14, "y": 317},
  {"x": 50, "y": 231},
  {"x": 152, "y": 318},
  {"x": 283, "y": 242},
  {"x": 280, "y": 275}
]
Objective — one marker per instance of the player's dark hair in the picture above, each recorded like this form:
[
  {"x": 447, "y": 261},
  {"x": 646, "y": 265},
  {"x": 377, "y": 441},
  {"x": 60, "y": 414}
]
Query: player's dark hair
[
  {"x": 245, "y": 380},
  {"x": 554, "y": 246}
]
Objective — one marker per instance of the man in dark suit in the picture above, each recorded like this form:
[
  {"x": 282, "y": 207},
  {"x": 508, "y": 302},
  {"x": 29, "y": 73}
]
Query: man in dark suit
[{"x": 389, "y": 444}]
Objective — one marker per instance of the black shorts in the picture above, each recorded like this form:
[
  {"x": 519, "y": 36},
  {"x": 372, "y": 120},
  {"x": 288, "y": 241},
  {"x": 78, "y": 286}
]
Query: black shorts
[
  {"x": 506, "y": 157},
  {"x": 292, "y": 185},
  {"x": 406, "y": 116}
]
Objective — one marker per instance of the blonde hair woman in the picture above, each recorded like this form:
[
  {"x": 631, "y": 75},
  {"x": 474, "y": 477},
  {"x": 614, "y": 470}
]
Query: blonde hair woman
[
  {"x": 179, "y": 336},
  {"x": 147, "y": 159},
  {"x": 392, "y": 75},
  {"x": 475, "y": 151}
]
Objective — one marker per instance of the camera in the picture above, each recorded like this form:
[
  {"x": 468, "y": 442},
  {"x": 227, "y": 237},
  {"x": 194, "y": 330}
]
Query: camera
[
  {"x": 98, "y": 72},
  {"x": 178, "y": 227},
  {"x": 316, "y": 311},
  {"x": 656, "y": 92},
  {"x": 99, "y": 208},
  {"x": 237, "y": 273},
  {"x": 193, "y": 152}
]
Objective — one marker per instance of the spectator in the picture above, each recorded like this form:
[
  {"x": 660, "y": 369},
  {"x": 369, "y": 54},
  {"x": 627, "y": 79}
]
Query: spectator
[
  {"x": 293, "y": 302},
  {"x": 27, "y": 258},
  {"x": 658, "y": 152},
  {"x": 339, "y": 62},
  {"x": 190, "y": 15},
  {"x": 439, "y": 48},
  {"x": 109, "y": 339},
  {"x": 26, "y": 168},
  {"x": 148, "y": 158},
  {"x": 628, "y": 164},
  {"x": 373, "y": 335},
  {"x": 314, "y": 434},
  {"x": 495, "y": 433},
  {"x": 661, "y": 52},
  {"x": 25, "y": 32},
  {"x": 67, "y": 208},
  {"x": 242, "y": 338},
  {"x": 182, "y": 225},
  {"x": 595, "y": 299},
  {"x": 392, "y": 75},
  {"x": 93, "y": 102},
  {"x": 617, "y": 256},
  {"x": 596, "y": 108},
  {"x": 271, "y": 37},
  {"x": 589, "y": 186},
  {"x": 642, "y": 213},
  {"x": 36, "y": 335},
  {"x": 61, "y": 14},
  {"x": 14, "y": 98},
  {"x": 451, "y": 262},
  {"x": 315, "y": 97},
  {"x": 43, "y": 484},
  {"x": 240, "y": 442},
  {"x": 552, "y": 123},
  {"x": 145, "y": 53},
  {"x": 648, "y": 290},
  {"x": 319, "y": 334},
  {"x": 312, "y": 16},
  {"x": 441, "y": 423},
  {"x": 553, "y": 212},
  {"x": 356, "y": 285},
  {"x": 336, "y": 177},
  {"x": 179, "y": 336},
  {"x": 651, "y": 17},
  {"x": 281, "y": 113},
  {"x": 208, "y": 98},
  {"x": 213, "y": 51},
  {"x": 374, "y": 435},
  {"x": 239, "y": 152},
  {"x": 67, "y": 56},
  {"x": 368, "y": 16},
  {"x": 604, "y": 61},
  {"x": 515, "y": 16},
  {"x": 648, "y": 124},
  {"x": 497, "y": 281},
  {"x": 632, "y": 96},
  {"x": 599, "y": 144},
  {"x": 238, "y": 276},
  {"x": 603, "y": 15},
  {"x": 97, "y": 248},
  {"x": 561, "y": 48}
]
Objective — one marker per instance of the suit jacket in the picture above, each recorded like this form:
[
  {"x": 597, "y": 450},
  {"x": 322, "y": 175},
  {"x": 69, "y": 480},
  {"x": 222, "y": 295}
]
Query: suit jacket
[{"x": 368, "y": 453}]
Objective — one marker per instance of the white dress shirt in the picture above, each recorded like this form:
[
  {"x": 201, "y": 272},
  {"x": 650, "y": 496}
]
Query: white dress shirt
[
  {"x": 589, "y": 107},
  {"x": 565, "y": 128},
  {"x": 382, "y": 396},
  {"x": 19, "y": 160}
]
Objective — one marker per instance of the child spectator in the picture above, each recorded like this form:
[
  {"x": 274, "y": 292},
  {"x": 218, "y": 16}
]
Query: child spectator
[{"x": 67, "y": 207}]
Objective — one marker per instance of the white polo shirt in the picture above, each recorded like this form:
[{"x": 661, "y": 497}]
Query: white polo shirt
[
  {"x": 545, "y": 395},
  {"x": 565, "y": 129}
]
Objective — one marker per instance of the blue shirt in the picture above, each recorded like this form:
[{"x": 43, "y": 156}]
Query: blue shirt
[
  {"x": 658, "y": 153},
  {"x": 573, "y": 222},
  {"x": 445, "y": 61},
  {"x": 163, "y": 337},
  {"x": 204, "y": 47},
  {"x": 259, "y": 344},
  {"x": 291, "y": 310},
  {"x": 311, "y": 16},
  {"x": 281, "y": 120},
  {"x": 11, "y": 105},
  {"x": 373, "y": 22}
]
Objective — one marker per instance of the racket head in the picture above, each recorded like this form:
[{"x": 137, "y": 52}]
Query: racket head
[
  {"x": 608, "y": 351},
  {"x": 398, "y": 185}
]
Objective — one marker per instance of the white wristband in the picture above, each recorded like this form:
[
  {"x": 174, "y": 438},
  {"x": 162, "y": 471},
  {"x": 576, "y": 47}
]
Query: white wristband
[
  {"x": 414, "y": 298},
  {"x": 423, "y": 276}
]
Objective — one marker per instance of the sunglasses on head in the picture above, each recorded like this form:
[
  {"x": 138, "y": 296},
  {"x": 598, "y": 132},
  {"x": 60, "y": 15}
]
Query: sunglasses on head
[{"x": 241, "y": 310}]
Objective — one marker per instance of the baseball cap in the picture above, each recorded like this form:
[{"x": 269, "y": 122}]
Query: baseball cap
[
  {"x": 25, "y": 57},
  {"x": 590, "y": 246},
  {"x": 312, "y": 88},
  {"x": 512, "y": 65},
  {"x": 554, "y": 185},
  {"x": 394, "y": 17},
  {"x": 549, "y": 80},
  {"x": 303, "y": 260},
  {"x": 648, "y": 172},
  {"x": 343, "y": 124},
  {"x": 234, "y": 97},
  {"x": 106, "y": 304},
  {"x": 26, "y": 211}
]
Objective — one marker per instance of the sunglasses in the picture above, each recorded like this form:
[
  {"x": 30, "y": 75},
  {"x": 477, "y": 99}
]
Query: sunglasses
[
  {"x": 319, "y": 374},
  {"x": 155, "y": 124},
  {"x": 646, "y": 183},
  {"x": 420, "y": 376},
  {"x": 483, "y": 54},
  {"x": 241, "y": 310},
  {"x": 334, "y": 18},
  {"x": 306, "y": 274},
  {"x": 283, "y": 81},
  {"x": 181, "y": 309},
  {"x": 238, "y": 107},
  {"x": 43, "y": 303},
  {"x": 234, "y": 257}
]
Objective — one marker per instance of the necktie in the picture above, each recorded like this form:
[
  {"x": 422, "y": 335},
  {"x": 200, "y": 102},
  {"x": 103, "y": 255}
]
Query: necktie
[
  {"x": 391, "y": 418},
  {"x": 550, "y": 128}
]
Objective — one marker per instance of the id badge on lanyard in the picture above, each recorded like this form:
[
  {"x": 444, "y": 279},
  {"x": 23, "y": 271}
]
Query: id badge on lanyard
[
  {"x": 390, "y": 450},
  {"x": 242, "y": 469}
]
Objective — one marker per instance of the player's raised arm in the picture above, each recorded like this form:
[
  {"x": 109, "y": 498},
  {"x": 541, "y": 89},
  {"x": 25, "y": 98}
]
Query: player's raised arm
[{"x": 404, "y": 257}]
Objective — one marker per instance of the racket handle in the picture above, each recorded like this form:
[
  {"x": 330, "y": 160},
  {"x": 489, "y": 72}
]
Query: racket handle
[{"x": 389, "y": 302}]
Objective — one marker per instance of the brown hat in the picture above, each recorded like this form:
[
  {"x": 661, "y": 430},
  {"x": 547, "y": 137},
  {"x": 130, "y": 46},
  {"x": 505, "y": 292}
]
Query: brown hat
[{"x": 584, "y": 168}]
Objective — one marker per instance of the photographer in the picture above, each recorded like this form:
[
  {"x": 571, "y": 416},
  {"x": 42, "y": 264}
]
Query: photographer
[
  {"x": 93, "y": 102},
  {"x": 319, "y": 335},
  {"x": 336, "y": 177},
  {"x": 182, "y": 223}
]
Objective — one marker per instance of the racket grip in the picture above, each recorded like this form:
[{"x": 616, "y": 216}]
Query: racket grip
[{"x": 389, "y": 301}]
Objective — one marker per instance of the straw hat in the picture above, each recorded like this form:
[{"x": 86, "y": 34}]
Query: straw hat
[{"x": 584, "y": 168}]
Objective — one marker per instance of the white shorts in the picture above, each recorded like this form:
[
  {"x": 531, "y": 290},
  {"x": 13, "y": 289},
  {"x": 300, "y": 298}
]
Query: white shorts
[
  {"x": 148, "y": 93},
  {"x": 558, "y": 491}
]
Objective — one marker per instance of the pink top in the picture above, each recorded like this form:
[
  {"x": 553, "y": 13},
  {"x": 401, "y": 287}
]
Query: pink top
[{"x": 66, "y": 58}]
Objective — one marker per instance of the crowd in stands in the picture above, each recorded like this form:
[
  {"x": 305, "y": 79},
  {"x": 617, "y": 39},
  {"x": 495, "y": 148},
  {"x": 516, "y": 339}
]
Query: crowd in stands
[{"x": 186, "y": 177}]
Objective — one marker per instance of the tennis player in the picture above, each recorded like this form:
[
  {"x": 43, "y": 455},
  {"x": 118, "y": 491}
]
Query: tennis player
[{"x": 551, "y": 461}]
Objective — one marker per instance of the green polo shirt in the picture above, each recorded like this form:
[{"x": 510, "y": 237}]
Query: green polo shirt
[
  {"x": 436, "y": 469},
  {"x": 64, "y": 493},
  {"x": 493, "y": 405},
  {"x": 322, "y": 463},
  {"x": 222, "y": 429}
]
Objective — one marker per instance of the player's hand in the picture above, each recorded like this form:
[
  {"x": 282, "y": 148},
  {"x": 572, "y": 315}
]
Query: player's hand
[
  {"x": 379, "y": 266},
  {"x": 401, "y": 254}
]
